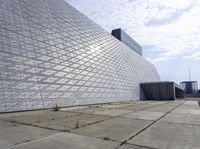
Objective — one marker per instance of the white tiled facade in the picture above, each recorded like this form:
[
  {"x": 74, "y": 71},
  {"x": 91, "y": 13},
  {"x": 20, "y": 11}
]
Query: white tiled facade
[{"x": 52, "y": 54}]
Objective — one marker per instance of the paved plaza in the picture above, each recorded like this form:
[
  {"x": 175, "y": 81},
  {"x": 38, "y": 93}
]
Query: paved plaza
[{"x": 122, "y": 125}]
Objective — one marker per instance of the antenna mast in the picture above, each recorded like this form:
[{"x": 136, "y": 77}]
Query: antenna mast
[{"x": 189, "y": 73}]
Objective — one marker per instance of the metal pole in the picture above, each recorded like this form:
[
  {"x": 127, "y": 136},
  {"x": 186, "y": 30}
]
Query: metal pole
[{"x": 189, "y": 74}]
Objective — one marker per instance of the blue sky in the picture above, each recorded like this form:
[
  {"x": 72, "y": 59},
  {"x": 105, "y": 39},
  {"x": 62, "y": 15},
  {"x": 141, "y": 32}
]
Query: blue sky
[{"x": 168, "y": 30}]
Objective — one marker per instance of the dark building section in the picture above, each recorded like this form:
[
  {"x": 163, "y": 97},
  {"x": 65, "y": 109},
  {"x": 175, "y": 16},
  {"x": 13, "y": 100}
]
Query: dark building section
[
  {"x": 161, "y": 91},
  {"x": 190, "y": 87},
  {"x": 127, "y": 40}
]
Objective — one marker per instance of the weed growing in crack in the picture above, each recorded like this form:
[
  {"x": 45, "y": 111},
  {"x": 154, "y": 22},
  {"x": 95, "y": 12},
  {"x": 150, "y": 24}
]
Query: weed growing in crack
[
  {"x": 77, "y": 125},
  {"x": 106, "y": 138},
  {"x": 56, "y": 108},
  {"x": 65, "y": 128}
]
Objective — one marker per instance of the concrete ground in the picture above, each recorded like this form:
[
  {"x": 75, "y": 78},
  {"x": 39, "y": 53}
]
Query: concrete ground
[{"x": 123, "y": 125}]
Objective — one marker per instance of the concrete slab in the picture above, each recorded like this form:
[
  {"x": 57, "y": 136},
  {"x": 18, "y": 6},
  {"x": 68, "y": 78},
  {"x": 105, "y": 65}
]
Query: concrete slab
[
  {"x": 174, "y": 103},
  {"x": 155, "y": 102},
  {"x": 141, "y": 101},
  {"x": 191, "y": 105},
  {"x": 40, "y": 117},
  {"x": 118, "y": 129},
  {"x": 20, "y": 134},
  {"x": 169, "y": 136},
  {"x": 113, "y": 112},
  {"x": 68, "y": 141},
  {"x": 129, "y": 146},
  {"x": 4, "y": 115},
  {"x": 162, "y": 108},
  {"x": 65, "y": 124},
  {"x": 73, "y": 108},
  {"x": 146, "y": 115},
  {"x": 6, "y": 124},
  {"x": 137, "y": 107},
  {"x": 182, "y": 110},
  {"x": 114, "y": 106},
  {"x": 90, "y": 110},
  {"x": 182, "y": 118}
]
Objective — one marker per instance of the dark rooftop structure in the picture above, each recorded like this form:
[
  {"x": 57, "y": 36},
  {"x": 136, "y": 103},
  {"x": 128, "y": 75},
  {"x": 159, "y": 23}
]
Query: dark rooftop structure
[
  {"x": 161, "y": 90},
  {"x": 127, "y": 40}
]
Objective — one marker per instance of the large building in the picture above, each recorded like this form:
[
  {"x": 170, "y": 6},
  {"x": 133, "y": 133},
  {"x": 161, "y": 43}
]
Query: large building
[
  {"x": 51, "y": 54},
  {"x": 190, "y": 87}
]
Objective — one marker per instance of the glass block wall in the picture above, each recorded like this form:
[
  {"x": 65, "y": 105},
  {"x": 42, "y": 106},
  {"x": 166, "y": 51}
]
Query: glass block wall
[{"x": 52, "y": 54}]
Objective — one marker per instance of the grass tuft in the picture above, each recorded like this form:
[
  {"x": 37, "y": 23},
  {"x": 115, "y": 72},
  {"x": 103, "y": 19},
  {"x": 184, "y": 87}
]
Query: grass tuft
[
  {"x": 106, "y": 138},
  {"x": 56, "y": 108},
  {"x": 77, "y": 125}
]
